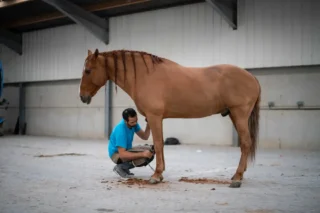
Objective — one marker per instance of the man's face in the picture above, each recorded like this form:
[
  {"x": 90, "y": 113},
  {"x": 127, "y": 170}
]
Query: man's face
[{"x": 132, "y": 121}]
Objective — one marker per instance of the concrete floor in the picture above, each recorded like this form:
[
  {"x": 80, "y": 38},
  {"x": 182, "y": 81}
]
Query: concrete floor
[{"x": 280, "y": 181}]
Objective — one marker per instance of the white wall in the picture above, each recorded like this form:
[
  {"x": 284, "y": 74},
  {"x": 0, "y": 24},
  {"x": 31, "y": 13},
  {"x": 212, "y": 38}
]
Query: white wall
[
  {"x": 54, "y": 109},
  {"x": 271, "y": 33},
  {"x": 290, "y": 128}
]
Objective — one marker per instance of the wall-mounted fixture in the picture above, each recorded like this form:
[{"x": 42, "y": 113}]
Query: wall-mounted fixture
[
  {"x": 271, "y": 104},
  {"x": 300, "y": 104}
]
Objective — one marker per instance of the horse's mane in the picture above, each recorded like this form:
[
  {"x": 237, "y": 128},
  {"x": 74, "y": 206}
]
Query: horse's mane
[{"x": 116, "y": 54}]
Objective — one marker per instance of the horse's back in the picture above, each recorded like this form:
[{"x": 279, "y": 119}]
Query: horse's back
[
  {"x": 228, "y": 72},
  {"x": 226, "y": 69}
]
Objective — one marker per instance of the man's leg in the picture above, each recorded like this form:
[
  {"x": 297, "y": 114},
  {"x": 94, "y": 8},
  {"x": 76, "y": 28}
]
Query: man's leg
[
  {"x": 142, "y": 161},
  {"x": 122, "y": 168}
]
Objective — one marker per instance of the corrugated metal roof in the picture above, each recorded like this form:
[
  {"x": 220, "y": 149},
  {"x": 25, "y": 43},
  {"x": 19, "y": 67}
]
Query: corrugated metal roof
[{"x": 32, "y": 9}]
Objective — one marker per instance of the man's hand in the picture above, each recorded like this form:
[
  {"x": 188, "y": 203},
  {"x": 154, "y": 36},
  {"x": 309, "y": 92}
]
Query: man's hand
[{"x": 147, "y": 154}]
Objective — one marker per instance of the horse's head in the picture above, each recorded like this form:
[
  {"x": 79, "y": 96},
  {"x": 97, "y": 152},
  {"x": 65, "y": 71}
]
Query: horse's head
[{"x": 94, "y": 76}]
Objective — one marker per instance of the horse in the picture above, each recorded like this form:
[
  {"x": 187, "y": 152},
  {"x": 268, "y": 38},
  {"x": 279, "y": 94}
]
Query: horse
[{"x": 162, "y": 88}]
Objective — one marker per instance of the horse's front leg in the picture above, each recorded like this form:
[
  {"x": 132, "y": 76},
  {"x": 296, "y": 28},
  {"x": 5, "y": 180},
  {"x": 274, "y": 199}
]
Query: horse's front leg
[{"x": 155, "y": 123}]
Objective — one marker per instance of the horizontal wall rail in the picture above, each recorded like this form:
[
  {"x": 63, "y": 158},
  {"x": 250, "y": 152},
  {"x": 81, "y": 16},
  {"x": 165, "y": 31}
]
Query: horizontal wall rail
[{"x": 290, "y": 108}]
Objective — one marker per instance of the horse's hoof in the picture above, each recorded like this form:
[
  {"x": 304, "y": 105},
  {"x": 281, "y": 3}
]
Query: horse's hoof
[
  {"x": 235, "y": 184},
  {"x": 154, "y": 180}
]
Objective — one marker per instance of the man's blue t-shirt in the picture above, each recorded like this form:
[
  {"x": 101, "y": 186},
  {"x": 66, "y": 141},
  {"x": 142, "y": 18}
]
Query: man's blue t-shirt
[{"x": 121, "y": 136}]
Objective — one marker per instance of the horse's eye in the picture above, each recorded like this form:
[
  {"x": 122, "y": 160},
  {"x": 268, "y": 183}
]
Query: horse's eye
[{"x": 87, "y": 71}]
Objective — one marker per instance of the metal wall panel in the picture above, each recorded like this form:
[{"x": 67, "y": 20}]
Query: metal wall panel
[
  {"x": 55, "y": 109},
  {"x": 271, "y": 34},
  {"x": 285, "y": 87}
]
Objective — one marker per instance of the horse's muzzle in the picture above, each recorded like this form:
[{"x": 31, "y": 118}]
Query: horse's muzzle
[{"x": 85, "y": 99}]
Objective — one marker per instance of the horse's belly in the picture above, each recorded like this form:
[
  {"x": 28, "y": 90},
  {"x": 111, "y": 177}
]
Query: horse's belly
[{"x": 191, "y": 107}]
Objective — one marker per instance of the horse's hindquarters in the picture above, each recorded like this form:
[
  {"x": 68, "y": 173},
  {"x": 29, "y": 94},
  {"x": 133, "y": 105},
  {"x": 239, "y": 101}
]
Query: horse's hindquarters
[{"x": 238, "y": 87}]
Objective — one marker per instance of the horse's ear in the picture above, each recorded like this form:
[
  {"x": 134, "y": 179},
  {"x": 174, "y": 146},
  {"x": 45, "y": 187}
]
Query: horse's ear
[
  {"x": 96, "y": 53},
  {"x": 89, "y": 52}
]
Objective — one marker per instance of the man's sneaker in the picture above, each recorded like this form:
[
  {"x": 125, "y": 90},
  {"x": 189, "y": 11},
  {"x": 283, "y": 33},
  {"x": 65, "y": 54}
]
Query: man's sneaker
[
  {"x": 128, "y": 172},
  {"x": 122, "y": 173}
]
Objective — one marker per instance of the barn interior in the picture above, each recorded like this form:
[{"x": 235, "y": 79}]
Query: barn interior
[{"x": 54, "y": 148}]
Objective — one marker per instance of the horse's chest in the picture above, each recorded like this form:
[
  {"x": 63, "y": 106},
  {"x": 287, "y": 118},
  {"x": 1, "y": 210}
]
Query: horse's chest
[{"x": 140, "y": 108}]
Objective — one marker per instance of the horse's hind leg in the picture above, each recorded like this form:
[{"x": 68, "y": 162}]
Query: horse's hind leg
[
  {"x": 240, "y": 117},
  {"x": 233, "y": 121}
]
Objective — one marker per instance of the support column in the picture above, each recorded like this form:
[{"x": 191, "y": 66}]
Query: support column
[
  {"x": 22, "y": 102},
  {"x": 108, "y": 109}
]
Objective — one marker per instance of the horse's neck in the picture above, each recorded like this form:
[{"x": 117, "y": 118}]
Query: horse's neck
[
  {"x": 121, "y": 77},
  {"x": 130, "y": 69}
]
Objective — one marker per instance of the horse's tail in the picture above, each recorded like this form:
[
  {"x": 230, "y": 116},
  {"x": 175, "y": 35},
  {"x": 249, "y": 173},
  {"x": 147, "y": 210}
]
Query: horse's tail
[{"x": 254, "y": 125}]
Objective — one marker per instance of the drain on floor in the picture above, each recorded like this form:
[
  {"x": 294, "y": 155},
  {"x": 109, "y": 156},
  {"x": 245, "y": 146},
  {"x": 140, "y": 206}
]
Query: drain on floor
[{"x": 62, "y": 154}]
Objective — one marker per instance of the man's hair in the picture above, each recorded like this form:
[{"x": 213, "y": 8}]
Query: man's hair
[{"x": 129, "y": 112}]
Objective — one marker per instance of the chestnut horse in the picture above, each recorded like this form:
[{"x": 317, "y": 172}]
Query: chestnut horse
[{"x": 161, "y": 88}]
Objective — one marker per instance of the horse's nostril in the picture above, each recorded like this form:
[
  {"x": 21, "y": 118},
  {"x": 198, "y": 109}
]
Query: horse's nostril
[
  {"x": 85, "y": 99},
  {"x": 82, "y": 98}
]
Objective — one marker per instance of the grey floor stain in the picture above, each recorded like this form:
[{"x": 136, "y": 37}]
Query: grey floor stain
[
  {"x": 63, "y": 154},
  {"x": 105, "y": 210}
]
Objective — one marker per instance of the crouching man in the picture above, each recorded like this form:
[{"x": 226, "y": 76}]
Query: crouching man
[{"x": 120, "y": 147}]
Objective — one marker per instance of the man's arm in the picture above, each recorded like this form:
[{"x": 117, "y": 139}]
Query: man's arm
[
  {"x": 144, "y": 135},
  {"x": 122, "y": 145}
]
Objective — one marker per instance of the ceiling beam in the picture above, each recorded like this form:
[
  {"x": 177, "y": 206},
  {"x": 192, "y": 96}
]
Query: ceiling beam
[
  {"x": 11, "y": 40},
  {"x": 99, "y": 27},
  {"x": 228, "y": 12},
  {"x": 106, "y": 5},
  {"x": 4, "y": 4}
]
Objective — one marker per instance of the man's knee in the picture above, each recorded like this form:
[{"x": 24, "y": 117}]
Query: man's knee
[
  {"x": 136, "y": 162},
  {"x": 116, "y": 158}
]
